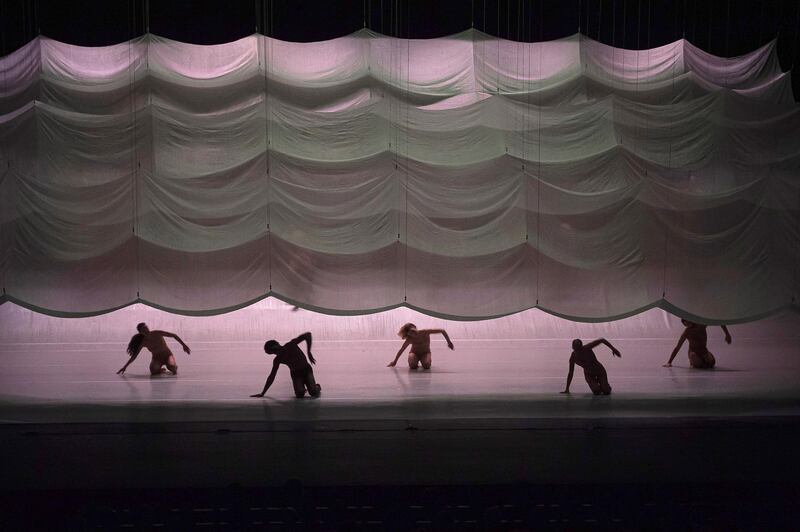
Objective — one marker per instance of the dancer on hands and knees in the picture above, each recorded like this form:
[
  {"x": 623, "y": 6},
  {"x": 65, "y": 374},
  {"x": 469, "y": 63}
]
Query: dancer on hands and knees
[
  {"x": 593, "y": 370},
  {"x": 420, "y": 342},
  {"x": 699, "y": 355},
  {"x": 154, "y": 342},
  {"x": 300, "y": 370}
]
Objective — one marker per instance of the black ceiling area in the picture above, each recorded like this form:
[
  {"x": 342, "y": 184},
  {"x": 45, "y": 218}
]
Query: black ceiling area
[{"x": 721, "y": 27}]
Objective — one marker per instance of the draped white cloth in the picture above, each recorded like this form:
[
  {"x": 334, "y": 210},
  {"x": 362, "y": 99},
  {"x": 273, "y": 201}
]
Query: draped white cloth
[{"x": 467, "y": 177}]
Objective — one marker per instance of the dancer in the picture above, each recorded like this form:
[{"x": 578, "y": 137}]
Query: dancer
[
  {"x": 420, "y": 342},
  {"x": 154, "y": 342},
  {"x": 699, "y": 355},
  {"x": 593, "y": 370},
  {"x": 300, "y": 370}
]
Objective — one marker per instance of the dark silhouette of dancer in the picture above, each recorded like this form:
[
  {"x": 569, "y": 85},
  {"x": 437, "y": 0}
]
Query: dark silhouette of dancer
[
  {"x": 300, "y": 370},
  {"x": 593, "y": 370},
  {"x": 420, "y": 342},
  {"x": 154, "y": 342},
  {"x": 699, "y": 355}
]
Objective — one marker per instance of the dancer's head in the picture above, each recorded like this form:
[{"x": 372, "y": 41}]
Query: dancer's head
[
  {"x": 271, "y": 347},
  {"x": 576, "y": 344},
  {"x": 405, "y": 329},
  {"x": 136, "y": 341}
]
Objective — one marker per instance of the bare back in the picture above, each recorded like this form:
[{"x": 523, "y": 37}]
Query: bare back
[
  {"x": 698, "y": 338},
  {"x": 585, "y": 358},
  {"x": 155, "y": 343},
  {"x": 291, "y": 355}
]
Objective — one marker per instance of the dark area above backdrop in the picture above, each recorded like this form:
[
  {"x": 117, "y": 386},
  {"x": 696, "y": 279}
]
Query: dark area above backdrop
[{"x": 721, "y": 27}]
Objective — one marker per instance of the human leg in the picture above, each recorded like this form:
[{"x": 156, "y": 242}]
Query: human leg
[
  {"x": 172, "y": 365},
  {"x": 425, "y": 360},
  {"x": 299, "y": 385},
  {"x": 605, "y": 387},
  {"x": 699, "y": 361},
  {"x": 593, "y": 381},
  {"x": 155, "y": 367},
  {"x": 413, "y": 361},
  {"x": 314, "y": 389}
]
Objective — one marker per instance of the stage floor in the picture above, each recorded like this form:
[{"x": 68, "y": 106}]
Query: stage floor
[
  {"x": 479, "y": 381},
  {"x": 488, "y": 413}
]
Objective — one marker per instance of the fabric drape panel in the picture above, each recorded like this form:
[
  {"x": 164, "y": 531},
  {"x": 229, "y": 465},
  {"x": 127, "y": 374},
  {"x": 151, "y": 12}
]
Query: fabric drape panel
[{"x": 467, "y": 177}]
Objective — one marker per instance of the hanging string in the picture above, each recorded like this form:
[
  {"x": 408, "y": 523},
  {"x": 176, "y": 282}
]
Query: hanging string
[
  {"x": 638, "y": 69},
  {"x": 796, "y": 47},
  {"x": 407, "y": 105},
  {"x": 727, "y": 31},
  {"x": 669, "y": 168},
  {"x": 267, "y": 11},
  {"x": 539, "y": 164},
  {"x": 599, "y": 20},
  {"x": 134, "y": 163}
]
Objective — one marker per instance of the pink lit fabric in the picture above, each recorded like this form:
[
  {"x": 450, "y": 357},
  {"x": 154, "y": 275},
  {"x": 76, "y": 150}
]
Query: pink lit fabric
[{"x": 467, "y": 177}]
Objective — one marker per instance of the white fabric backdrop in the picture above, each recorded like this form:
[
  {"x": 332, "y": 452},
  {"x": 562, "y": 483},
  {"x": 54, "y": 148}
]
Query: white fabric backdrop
[{"x": 466, "y": 177}]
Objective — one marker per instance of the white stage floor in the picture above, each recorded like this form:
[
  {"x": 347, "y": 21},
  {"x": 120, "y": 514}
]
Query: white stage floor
[{"x": 482, "y": 380}]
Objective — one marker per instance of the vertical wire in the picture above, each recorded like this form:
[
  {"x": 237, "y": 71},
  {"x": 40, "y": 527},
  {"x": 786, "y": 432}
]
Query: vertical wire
[
  {"x": 669, "y": 168},
  {"x": 525, "y": 138},
  {"x": 408, "y": 140},
  {"x": 613, "y": 29},
  {"x": 6, "y": 157},
  {"x": 727, "y": 30},
  {"x": 135, "y": 164},
  {"x": 795, "y": 50},
  {"x": 599, "y": 20},
  {"x": 267, "y": 11},
  {"x": 539, "y": 164}
]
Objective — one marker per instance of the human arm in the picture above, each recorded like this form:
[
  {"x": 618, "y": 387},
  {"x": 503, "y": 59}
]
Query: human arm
[
  {"x": 728, "y": 338},
  {"x": 307, "y": 338},
  {"x": 614, "y": 350},
  {"x": 130, "y": 360},
  {"x": 443, "y": 333},
  {"x": 270, "y": 380},
  {"x": 178, "y": 339},
  {"x": 394, "y": 362},
  {"x": 569, "y": 375},
  {"x": 675, "y": 351}
]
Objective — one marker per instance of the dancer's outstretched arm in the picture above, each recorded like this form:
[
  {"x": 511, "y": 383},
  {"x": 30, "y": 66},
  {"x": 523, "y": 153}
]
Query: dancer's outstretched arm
[
  {"x": 178, "y": 339},
  {"x": 270, "y": 380},
  {"x": 306, "y": 336},
  {"x": 675, "y": 351},
  {"x": 614, "y": 350},
  {"x": 569, "y": 375},
  {"x": 130, "y": 360},
  {"x": 394, "y": 362},
  {"x": 728, "y": 338},
  {"x": 443, "y": 333}
]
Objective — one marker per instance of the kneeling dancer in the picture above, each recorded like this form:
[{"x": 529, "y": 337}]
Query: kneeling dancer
[
  {"x": 300, "y": 370},
  {"x": 593, "y": 370}
]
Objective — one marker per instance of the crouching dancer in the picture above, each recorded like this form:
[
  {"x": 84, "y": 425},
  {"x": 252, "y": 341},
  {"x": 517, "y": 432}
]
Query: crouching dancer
[
  {"x": 699, "y": 355},
  {"x": 420, "y": 342},
  {"x": 300, "y": 370},
  {"x": 154, "y": 342},
  {"x": 593, "y": 370}
]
